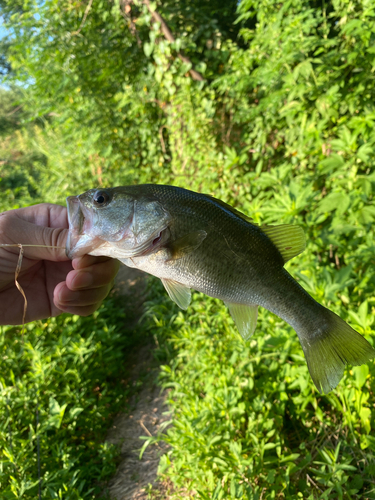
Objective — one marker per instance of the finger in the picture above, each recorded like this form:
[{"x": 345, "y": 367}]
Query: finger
[
  {"x": 80, "y": 310},
  {"x": 97, "y": 275},
  {"x": 87, "y": 261},
  {"x": 64, "y": 297}
]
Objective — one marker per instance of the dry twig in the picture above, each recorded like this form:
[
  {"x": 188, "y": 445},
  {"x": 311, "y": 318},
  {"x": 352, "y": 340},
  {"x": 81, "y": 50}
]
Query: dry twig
[
  {"x": 16, "y": 274},
  {"x": 168, "y": 35},
  {"x": 18, "y": 270},
  {"x": 89, "y": 5}
]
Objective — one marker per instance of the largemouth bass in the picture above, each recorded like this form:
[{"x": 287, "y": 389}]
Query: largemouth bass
[{"x": 191, "y": 240}]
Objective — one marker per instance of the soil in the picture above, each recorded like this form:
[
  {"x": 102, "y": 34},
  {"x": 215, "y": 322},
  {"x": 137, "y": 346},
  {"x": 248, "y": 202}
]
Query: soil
[{"x": 147, "y": 412}]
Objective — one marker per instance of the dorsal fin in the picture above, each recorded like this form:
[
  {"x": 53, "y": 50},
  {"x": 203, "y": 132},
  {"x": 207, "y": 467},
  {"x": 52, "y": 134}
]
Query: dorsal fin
[
  {"x": 232, "y": 210},
  {"x": 289, "y": 240}
]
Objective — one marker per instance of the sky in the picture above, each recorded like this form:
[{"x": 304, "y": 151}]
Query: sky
[{"x": 3, "y": 31}]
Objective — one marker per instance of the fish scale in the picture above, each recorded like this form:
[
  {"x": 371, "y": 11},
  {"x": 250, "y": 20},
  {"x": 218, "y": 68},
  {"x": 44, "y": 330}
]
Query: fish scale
[{"x": 191, "y": 240}]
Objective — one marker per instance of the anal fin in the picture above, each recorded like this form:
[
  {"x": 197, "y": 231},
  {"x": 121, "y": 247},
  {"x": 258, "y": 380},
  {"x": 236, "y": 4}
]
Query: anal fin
[
  {"x": 178, "y": 292},
  {"x": 245, "y": 317}
]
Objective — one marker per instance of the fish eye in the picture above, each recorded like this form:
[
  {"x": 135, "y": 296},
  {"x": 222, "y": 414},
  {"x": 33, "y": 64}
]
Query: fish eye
[{"x": 101, "y": 198}]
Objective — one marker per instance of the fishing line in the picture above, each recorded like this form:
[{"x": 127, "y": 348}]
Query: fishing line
[{"x": 18, "y": 270}]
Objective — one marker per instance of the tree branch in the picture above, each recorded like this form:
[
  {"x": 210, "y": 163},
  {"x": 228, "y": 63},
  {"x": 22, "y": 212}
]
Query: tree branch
[
  {"x": 84, "y": 18},
  {"x": 168, "y": 35},
  {"x": 125, "y": 9}
]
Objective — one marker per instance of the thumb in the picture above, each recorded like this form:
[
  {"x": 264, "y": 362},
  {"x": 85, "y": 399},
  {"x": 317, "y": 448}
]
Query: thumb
[
  {"x": 17, "y": 227},
  {"x": 52, "y": 241}
]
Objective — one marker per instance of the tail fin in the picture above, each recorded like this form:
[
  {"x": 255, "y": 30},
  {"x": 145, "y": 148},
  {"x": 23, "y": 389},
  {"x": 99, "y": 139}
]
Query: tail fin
[{"x": 333, "y": 347}]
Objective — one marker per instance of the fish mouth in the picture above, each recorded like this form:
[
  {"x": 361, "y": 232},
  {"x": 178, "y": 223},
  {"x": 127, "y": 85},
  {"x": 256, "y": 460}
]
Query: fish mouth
[
  {"x": 82, "y": 241},
  {"x": 78, "y": 242},
  {"x": 75, "y": 221}
]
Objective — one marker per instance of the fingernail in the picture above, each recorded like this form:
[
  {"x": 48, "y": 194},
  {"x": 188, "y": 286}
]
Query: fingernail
[{"x": 83, "y": 280}]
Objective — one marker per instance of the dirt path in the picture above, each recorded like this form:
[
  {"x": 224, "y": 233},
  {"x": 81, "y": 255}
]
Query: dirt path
[{"x": 147, "y": 413}]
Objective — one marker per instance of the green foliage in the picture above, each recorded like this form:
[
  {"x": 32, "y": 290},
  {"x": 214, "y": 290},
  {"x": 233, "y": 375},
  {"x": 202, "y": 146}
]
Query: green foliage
[
  {"x": 285, "y": 84},
  {"x": 10, "y": 112},
  {"x": 281, "y": 128},
  {"x": 247, "y": 418},
  {"x": 61, "y": 383}
]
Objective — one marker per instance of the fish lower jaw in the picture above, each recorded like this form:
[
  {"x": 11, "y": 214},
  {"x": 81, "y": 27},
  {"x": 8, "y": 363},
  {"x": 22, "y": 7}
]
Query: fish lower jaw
[{"x": 78, "y": 245}]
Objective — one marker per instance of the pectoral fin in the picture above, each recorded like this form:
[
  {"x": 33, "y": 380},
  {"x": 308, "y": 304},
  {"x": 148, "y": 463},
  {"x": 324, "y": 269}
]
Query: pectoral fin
[
  {"x": 245, "y": 317},
  {"x": 178, "y": 293},
  {"x": 186, "y": 244}
]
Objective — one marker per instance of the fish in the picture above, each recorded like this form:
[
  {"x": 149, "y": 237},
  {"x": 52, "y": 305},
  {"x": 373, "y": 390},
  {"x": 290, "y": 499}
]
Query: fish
[{"x": 194, "y": 241}]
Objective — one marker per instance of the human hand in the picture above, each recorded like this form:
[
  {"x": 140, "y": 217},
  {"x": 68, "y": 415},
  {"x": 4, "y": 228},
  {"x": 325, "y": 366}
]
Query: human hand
[{"x": 52, "y": 283}]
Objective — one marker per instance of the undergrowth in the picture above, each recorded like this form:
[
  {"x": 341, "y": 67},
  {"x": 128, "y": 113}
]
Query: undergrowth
[
  {"x": 61, "y": 384},
  {"x": 282, "y": 129}
]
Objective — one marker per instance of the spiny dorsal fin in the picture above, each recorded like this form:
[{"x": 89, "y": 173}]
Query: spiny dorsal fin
[
  {"x": 289, "y": 240},
  {"x": 178, "y": 292},
  {"x": 245, "y": 317},
  {"x": 231, "y": 209}
]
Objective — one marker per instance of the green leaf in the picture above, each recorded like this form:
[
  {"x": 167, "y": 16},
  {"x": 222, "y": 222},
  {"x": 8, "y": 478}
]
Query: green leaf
[
  {"x": 74, "y": 412},
  {"x": 290, "y": 458},
  {"x": 148, "y": 48},
  {"x": 360, "y": 375},
  {"x": 339, "y": 201},
  {"x": 331, "y": 163},
  {"x": 364, "y": 152},
  {"x": 366, "y": 215}
]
